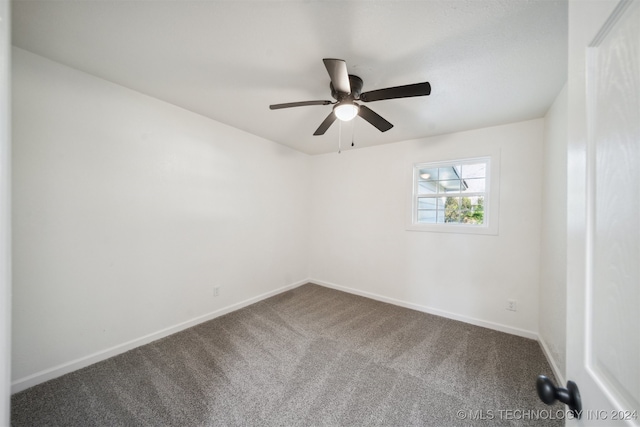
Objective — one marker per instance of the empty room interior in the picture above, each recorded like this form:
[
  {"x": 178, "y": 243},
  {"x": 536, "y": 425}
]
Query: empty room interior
[{"x": 318, "y": 213}]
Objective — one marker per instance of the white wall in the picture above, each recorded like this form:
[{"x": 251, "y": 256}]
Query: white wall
[
  {"x": 5, "y": 214},
  {"x": 129, "y": 210},
  {"x": 359, "y": 241},
  {"x": 553, "y": 260}
]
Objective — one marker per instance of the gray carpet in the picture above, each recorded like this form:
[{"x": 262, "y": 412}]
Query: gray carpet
[{"x": 310, "y": 356}]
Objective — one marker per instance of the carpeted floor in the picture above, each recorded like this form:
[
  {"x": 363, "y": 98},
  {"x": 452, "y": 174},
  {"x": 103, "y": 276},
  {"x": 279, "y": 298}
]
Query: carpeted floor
[{"x": 310, "y": 356}]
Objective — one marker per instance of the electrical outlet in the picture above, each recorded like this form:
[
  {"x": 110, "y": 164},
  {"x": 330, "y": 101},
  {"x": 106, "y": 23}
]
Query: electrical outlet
[
  {"x": 511, "y": 305},
  {"x": 216, "y": 291}
]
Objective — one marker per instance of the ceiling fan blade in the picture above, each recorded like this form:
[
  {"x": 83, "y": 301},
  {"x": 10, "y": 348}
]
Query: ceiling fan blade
[
  {"x": 337, "y": 70},
  {"x": 325, "y": 124},
  {"x": 407, "y": 91},
  {"x": 297, "y": 104},
  {"x": 374, "y": 118}
]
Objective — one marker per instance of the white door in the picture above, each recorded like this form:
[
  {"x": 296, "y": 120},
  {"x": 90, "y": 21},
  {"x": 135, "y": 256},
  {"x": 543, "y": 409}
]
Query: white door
[{"x": 603, "y": 245}]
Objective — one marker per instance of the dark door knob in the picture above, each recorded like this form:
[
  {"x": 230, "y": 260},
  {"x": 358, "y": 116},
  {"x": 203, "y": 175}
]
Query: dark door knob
[{"x": 570, "y": 396}]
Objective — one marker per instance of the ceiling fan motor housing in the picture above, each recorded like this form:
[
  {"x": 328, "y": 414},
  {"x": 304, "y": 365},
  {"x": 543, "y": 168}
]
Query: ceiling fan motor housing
[{"x": 356, "y": 89}]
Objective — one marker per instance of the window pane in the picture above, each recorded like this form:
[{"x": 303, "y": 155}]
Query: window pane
[
  {"x": 426, "y": 203},
  {"x": 451, "y": 186},
  {"x": 427, "y": 187},
  {"x": 473, "y": 185},
  {"x": 472, "y": 210},
  {"x": 430, "y": 174},
  {"x": 478, "y": 170},
  {"x": 427, "y": 216},
  {"x": 448, "y": 172},
  {"x": 451, "y": 209}
]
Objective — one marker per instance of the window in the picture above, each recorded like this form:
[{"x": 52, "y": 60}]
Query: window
[{"x": 453, "y": 196}]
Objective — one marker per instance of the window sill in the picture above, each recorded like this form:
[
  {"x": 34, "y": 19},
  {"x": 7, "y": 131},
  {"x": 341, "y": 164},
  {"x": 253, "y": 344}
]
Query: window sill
[{"x": 454, "y": 228}]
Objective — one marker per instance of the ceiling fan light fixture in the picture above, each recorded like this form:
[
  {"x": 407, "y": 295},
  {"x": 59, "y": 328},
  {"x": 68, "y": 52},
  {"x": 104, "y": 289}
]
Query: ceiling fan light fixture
[
  {"x": 346, "y": 89},
  {"x": 346, "y": 111}
]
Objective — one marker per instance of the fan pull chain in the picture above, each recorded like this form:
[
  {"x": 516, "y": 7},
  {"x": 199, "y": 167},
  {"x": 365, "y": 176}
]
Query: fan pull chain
[
  {"x": 353, "y": 132},
  {"x": 340, "y": 137}
]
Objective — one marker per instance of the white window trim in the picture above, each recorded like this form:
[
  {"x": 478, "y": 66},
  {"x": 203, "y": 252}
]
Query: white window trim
[{"x": 491, "y": 206}]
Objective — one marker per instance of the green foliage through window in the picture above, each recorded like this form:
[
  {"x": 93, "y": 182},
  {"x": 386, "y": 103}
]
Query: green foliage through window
[{"x": 464, "y": 211}]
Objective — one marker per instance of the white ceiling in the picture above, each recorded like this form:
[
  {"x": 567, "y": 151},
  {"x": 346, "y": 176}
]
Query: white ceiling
[{"x": 489, "y": 62}]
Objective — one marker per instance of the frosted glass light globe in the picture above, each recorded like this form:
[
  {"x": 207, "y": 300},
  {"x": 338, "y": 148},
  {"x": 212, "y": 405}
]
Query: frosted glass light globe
[{"x": 346, "y": 111}]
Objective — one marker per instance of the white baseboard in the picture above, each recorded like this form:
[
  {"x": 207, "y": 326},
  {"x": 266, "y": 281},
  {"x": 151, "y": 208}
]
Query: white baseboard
[
  {"x": 471, "y": 320},
  {"x": 552, "y": 361},
  {"x": 82, "y": 362}
]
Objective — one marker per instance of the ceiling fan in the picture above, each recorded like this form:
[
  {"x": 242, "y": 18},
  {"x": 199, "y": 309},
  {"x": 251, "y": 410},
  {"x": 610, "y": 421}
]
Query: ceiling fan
[{"x": 346, "y": 89}]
